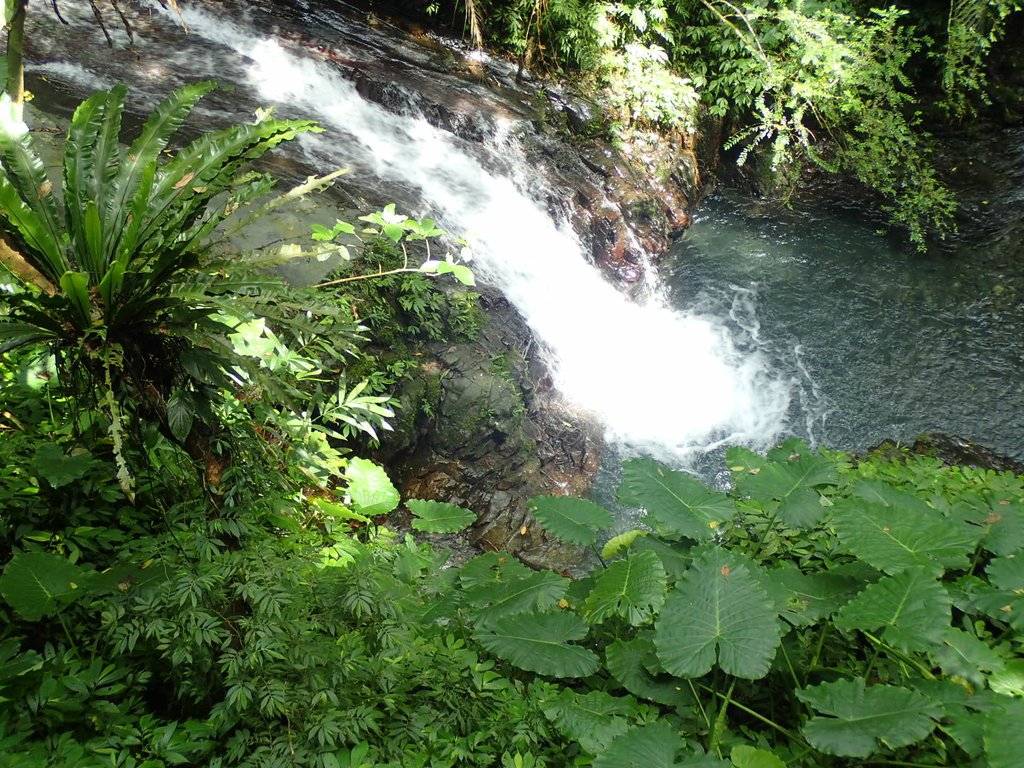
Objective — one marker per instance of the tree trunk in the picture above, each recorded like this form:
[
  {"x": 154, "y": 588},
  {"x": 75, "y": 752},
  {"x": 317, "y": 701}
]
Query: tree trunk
[{"x": 15, "y": 55}]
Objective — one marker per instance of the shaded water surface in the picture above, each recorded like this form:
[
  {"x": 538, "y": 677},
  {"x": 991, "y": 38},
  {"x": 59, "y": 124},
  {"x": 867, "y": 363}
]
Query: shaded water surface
[{"x": 881, "y": 342}]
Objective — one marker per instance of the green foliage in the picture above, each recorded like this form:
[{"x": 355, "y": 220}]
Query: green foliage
[
  {"x": 720, "y": 612},
  {"x": 370, "y": 489},
  {"x": 639, "y": 86},
  {"x": 853, "y": 719},
  {"x": 438, "y": 517},
  {"x": 300, "y": 649},
  {"x": 678, "y": 505},
  {"x": 894, "y": 537},
  {"x": 37, "y": 584},
  {"x": 840, "y": 85},
  {"x": 633, "y": 588},
  {"x": 574, "y": 520},
  {"x": 654, "y": 745},
  {"x": 122, "y": 282},
  {"x": 848, "y": 611},
  {"x": 542, "y": 643},
  {"x": 972, "y": 28}
]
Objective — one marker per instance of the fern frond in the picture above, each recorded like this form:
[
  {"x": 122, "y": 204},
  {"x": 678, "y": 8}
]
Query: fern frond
[
  {"x": 135, "y": 179},
  {"x": 313, "y": 184},
  {"x": 205, "y": 168},
  {"x": 43, "y": 251},
  {"x": 87, "y": 155},
  {"x": 26, "y": 180}
]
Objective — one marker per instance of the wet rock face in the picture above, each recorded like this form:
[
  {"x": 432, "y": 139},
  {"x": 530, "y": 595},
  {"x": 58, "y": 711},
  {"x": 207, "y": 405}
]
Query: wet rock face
[
  {"x": 625, "y": 205},
  {"x": 957, "y": 451},
  {"x": 496, "y": 437}
]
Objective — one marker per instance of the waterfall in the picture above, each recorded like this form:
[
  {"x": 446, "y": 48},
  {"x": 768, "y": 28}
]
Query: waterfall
[{"x": 662, "y": 381}]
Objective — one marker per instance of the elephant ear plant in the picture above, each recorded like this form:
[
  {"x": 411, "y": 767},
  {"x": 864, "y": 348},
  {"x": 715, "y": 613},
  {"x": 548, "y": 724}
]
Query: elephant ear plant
[{"x": 116, "y": 276}]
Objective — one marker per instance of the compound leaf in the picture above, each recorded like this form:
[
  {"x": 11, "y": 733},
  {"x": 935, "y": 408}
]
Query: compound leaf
[
  {"x": 677, "y": 504},
  {"x": 540, "y": 642},
  {"x": 570, "y": 519},
  {"x": 853, "y": 718},
  {"x": 439, "y": 517},
  {"x": 717, "y": 609}
]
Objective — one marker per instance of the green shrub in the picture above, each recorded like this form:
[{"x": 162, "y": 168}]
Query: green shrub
[{"x": 819, "y": 612}]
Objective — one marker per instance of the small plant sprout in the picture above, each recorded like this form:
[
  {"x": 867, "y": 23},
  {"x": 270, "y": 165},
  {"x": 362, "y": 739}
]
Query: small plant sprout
[{"x": 400, "y": 230}]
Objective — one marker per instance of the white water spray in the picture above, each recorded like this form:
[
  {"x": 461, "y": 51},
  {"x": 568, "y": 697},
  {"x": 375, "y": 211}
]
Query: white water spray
[{"x": 661, "y": 381}]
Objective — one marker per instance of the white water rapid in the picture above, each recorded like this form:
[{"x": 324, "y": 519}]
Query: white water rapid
[{"x": 662, "y": 381}]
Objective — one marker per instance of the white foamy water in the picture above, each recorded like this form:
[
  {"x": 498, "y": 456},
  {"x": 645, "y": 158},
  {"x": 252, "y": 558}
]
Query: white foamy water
[{"x": 662, "y": 381}]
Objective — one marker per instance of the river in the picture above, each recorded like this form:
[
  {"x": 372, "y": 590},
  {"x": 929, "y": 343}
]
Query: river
[{"x": 755, "y": 327}]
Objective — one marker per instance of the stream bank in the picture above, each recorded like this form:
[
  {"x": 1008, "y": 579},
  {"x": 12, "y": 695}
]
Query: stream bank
[{"x": 462, "y": 138}]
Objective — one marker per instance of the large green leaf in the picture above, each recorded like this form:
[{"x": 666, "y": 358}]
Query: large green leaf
[
  {"x": 58, "y": 468},
  {"x": 650, "y": 746},
  {"x": 633, "y": 588},
  {"x": 491, "y": 568},
  {"x": 37, "y": 584},
  {"x": 593, "y": 719},
  {"x": 739, "y": 459},
  {"x": 717, "y": 609},
  {"x": 911, "y": 608},
  {"x": 204, "y": 169},
  {"x": 965, "y": 656},
  {"x": 1009, "y": 681},
  {"x": 1004, "y": 736},
  {"x": 745, "y": 756},
  {"x": 84, "y": 172},
  {"x": 370, "y": 489},
  {"x": 129, "y": 192},
  {"x": 541, "y": 643},
  {"x": 15, "y": 334},
  {"x": 615, "y": 545},
  {"x": 1004, "y": 599},
  {"x": 809, "y": 597},
  {"x": 26, "y": 174},
  {"x": 677, "y": 504},
  {"x": 627, "y": 662},
  {"x": 577, "y": 521},
  {"x": 538, "y": 591},
  {"x": 438, "y": 517},
  {"x": 44, "y": 253},
  {"x": 854, "y": 719},
  {"x": 893, "y": 539},
  {"x": 181, "y": 413},
  {"x": 1004, "y": 526},
  {"x": 791, "y": 482}
]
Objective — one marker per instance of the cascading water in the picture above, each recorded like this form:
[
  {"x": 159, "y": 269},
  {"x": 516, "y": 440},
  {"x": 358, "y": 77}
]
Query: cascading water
[{"x": 663, "y": 381}]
